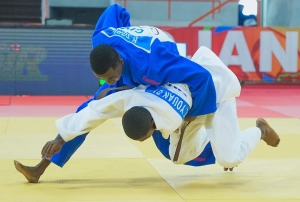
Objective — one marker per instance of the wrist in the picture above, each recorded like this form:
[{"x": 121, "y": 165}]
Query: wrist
[{"x": 60, "y": 139}]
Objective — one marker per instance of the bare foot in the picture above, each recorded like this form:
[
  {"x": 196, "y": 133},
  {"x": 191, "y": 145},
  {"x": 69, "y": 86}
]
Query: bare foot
[
  {"x": 225, "y": 169},
  {"x": 267, "y": 133},
  {"x": 30, "y": 173},
  {"x": 231, "y": 169}
]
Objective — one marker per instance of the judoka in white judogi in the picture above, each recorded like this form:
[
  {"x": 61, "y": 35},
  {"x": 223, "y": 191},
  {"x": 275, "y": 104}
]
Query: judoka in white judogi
[{"x": 168, "y": 106}]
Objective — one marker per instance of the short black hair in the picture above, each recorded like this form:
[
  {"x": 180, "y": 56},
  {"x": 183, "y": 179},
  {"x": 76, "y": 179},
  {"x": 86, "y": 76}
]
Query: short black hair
[
  {"x": 103, "y": 57},
  {"x": 137, "y": 122}
]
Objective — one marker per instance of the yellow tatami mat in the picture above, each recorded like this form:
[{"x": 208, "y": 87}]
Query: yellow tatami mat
[
  {"x": 110, "y": 167},
  {"x": 254, "y": 179},
  {"x": 89, "y": 180}
]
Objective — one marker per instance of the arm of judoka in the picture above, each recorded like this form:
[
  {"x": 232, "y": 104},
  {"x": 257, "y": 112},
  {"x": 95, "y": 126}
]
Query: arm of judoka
[
  {"x": 97, "y": 112},
  {"x": 166, "y": 67},
  {"x": 114, "y": 16},
  {"x": 200, "y": 85},
  {"x": 52, "y": 147}
]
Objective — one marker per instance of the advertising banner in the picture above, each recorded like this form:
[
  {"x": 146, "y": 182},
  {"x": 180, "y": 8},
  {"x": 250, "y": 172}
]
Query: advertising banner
[
  {"x": 43, "y": 61},
  {"x": 253, "y": 53}
]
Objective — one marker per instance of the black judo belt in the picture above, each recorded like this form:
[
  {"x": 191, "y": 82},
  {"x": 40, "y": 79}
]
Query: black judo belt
[{"x": 176, "y": 155}]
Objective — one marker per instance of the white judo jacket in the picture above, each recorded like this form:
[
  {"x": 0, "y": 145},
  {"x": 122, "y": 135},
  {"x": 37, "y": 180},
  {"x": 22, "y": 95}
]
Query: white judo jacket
[
  {"x": 167, "y": 104},
  {"x": 227, "y": 86},
  {"x": 226, "y": 83}
]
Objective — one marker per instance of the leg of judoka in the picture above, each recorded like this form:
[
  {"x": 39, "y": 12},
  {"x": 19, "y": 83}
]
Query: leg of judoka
[
  {"x": 70, "y": 147},
  {"x": 205, "y": 158},
  {"x": 195, "y": 149},
  {"x": 193, "y": 141},
  {"x": 230, "y": 145},
  {"x": 33, "y": 173}
]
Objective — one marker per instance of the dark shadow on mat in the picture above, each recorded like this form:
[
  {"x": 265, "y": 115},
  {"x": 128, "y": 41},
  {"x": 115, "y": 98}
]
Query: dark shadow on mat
[{"x": 109, "y": 182}]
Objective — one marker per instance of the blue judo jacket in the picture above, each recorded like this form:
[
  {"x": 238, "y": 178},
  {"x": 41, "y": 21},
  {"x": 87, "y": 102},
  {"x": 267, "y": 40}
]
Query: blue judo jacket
[{"x": 153, "y": 62}]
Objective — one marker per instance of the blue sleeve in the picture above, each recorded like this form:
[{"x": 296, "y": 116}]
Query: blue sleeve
[
  {"x": 167, "y": 67},
  {"x": 114, "y": 16},
  {"x": 119, "y": 83}
]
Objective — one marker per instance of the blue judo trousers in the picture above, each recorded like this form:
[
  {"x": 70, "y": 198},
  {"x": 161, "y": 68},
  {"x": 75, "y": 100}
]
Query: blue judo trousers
[{"x": 169, "y": 66}]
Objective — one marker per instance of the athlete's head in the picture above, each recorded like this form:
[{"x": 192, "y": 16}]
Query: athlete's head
[
  {"x": 106, "y": 63},
  {"x": 138, "y": 123}
]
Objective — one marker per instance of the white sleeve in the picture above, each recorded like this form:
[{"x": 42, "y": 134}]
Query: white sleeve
[{"x": 97, "y": 112}]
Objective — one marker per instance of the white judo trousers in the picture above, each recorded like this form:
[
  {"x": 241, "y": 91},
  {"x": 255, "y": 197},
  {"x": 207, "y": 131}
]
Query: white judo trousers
[{"x": 230, "y": 145}]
